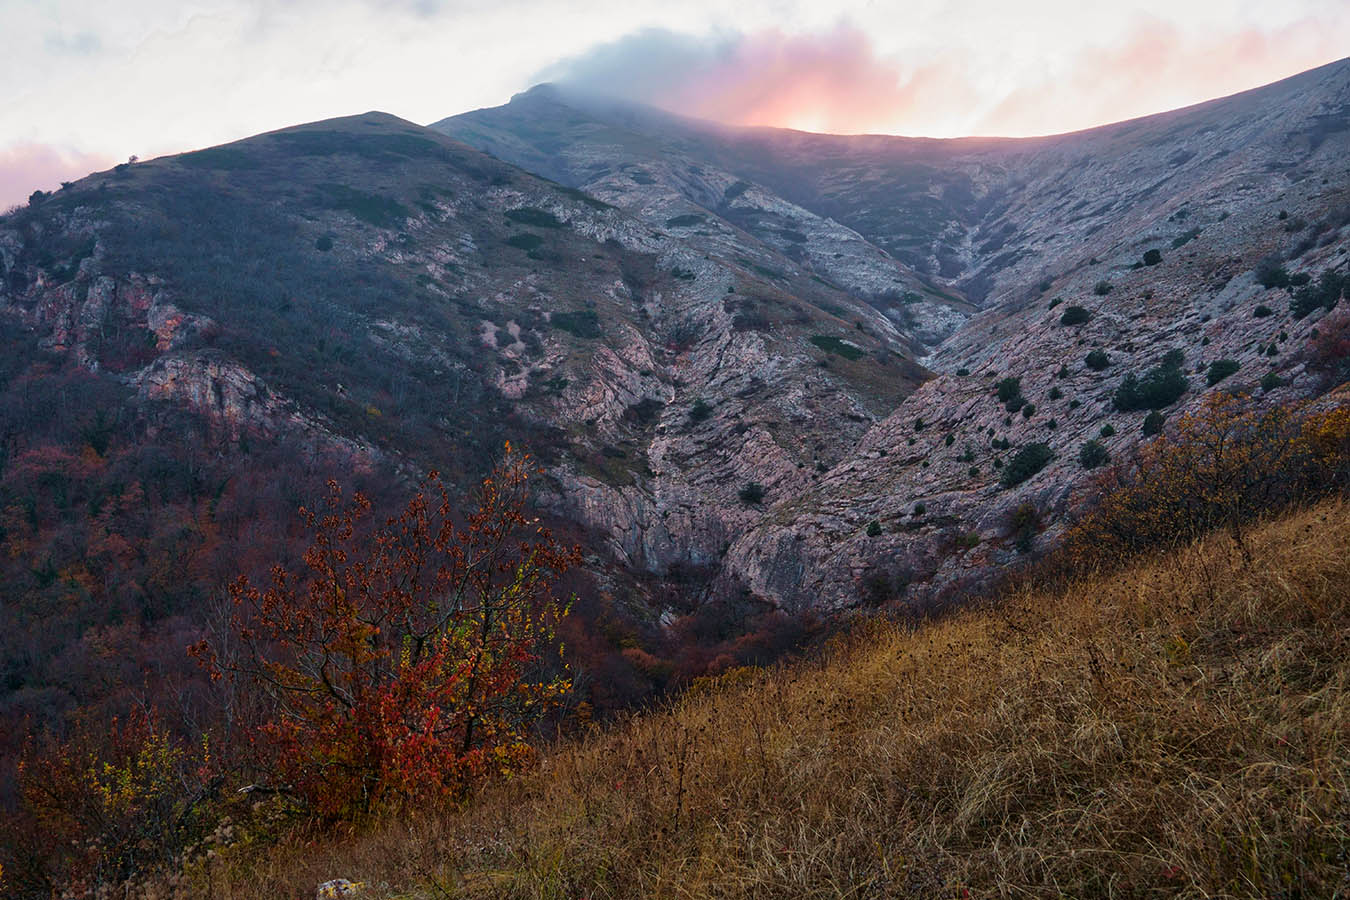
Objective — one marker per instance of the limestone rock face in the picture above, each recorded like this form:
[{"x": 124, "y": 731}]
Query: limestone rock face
[
  {"x": 974, "y": 249},
  {"x": 767, "y": 357}
]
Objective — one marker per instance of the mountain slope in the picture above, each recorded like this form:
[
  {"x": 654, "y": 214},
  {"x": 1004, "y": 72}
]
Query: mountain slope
[
  {"x": 1175, "y": 728},
  {"x": 199, "y": 341},
  {"x": 1156, "y": 228}
]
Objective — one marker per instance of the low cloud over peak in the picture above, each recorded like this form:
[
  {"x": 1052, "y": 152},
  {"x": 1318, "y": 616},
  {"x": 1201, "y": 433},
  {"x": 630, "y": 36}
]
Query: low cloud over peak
[{"x": 838, "y": 81}]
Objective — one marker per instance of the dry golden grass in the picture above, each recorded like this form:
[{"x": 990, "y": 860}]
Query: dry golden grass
[{"x": 1179, "y": 728}]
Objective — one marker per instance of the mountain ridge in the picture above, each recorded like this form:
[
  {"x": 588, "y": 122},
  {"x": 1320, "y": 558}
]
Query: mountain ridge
[{"x": 747, "y": 401}]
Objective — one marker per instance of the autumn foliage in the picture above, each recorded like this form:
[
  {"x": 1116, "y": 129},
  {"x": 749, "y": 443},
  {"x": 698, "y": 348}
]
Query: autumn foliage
[
  {"x": 1221, "y": 467},
  {"x": 108, "y": 803},
  {"x": 405, "y": 659}
]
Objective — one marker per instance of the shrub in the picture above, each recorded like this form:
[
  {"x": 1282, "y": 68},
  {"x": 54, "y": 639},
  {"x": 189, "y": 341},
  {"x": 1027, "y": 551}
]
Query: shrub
[
  {"x": 1221, "y": 369},
  {"x": 752, "y": 494},
  {"x": 1074, "y": 315},
  {"x": 837, "y": 347},
  {"x": 1056, "y": 302},
  {"x": 1225, "y": 464},
  {"x": 1009, "y": 388},
  {"x": 700, "y": 411},
  {"x": 374, "y": 209},
  {"x": 1024, "y": 522},
  {"x": 534, "y": 217},
  {"x": 949, "y": 439},
  {"x": 920, "y": 509},
  {"x": 1323, "y": 295},
  {"x": 403, "y": 660},
  {"x": 873, "y": 528},
  {"x": 1097, "y": 360},
  {"x": 1270, "y": 273},
  {"x": 1102, "y": 288},
  {"x": 323, "y": 244},
  {"x": 1161, "y": 386},
  {"x": 1029, "y": 410},
  {"x": 584, "y": 323},
  {"x": 1108, "y": 430},
  {"x": 1270, "y": 381},
  {"x": 643, "y": 413},
  {"x": 1152, "y": 257},
  {"x": 962, "y": 372},
  {"x": 1262, "y": 311},
  {"x": 1175, "y": 358},
  {"x": 1093, "y": 454},
  {"x": 879, "y": 587},
  {"x": 968, "y": 540},
  {"x": 106, "y": 804},
  {"x": 1028, "y": 461},
  {"x": 1056, "y": 393},
  {"x": 1153, "y": 423},
  {"x": 1329, "y": 349}
]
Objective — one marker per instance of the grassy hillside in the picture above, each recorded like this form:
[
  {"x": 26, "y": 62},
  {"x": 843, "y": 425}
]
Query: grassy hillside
[{"x": 1180, "y": 728}]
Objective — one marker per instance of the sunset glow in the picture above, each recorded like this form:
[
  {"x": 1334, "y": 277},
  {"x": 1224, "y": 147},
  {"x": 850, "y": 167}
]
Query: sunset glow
[{"x": 90, "y": 84}]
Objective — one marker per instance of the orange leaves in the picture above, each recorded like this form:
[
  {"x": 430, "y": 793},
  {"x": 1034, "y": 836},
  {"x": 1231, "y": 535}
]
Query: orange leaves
[
  {"x": 405, "y": 658},
  {"x": 1221, "y": 466}
]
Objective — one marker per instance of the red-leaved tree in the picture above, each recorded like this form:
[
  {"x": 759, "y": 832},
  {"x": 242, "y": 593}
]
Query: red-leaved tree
[{"x": 404, "y": 659}]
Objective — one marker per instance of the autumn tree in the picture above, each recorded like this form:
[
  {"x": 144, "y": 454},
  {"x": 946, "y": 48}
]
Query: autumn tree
[{"x": 404, "y": 659}]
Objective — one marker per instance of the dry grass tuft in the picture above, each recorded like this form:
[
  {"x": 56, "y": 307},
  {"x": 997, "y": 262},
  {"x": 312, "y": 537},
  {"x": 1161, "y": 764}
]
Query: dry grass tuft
[{"x": 1180, "y": 728}]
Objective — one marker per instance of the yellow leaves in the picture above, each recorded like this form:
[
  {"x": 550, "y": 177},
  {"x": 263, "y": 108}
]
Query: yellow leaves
[
  {"x": 1178, "y": 650},
  {"x": 1225, "y": 463}
]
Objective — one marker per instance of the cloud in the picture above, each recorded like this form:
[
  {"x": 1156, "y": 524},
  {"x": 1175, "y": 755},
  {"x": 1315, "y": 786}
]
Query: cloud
[
  {"x": 28, "y": 167},
  {"x": 1157, "y": 67},
  {"x": 831, "y": 81},
  {"x": 837, "y": 81}
]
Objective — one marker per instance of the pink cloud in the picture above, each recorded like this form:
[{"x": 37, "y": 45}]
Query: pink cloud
[
  {"x": 1158, "y": 68},
  {"x": 27, "y": 167},
  {"x": 836, "y": 81},
  {"x": 833, "y": 81}
]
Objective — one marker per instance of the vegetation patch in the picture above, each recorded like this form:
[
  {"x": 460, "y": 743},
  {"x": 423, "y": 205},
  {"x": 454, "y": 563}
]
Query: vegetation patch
[
  {"x": 534, "y": 217},
  {"x": 837, "y": 347},
  {"x": 373, "y": 209},
  {"x": 1074, "y": 315},
  {"x": 1028, "y": 461},
  {"x": 227, "y": 158},
  {"x": 525, "y": 241},
  {"x": 1161, "y": 386},
  {"x": 1221, "y": 369},
  {"x": 686, "y": 221},
  {"x": 584, "y": 323}
]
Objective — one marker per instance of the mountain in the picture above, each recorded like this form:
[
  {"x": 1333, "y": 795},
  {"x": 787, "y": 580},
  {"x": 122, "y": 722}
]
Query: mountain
[
  {"x": 1176, "y": 240},
  {"x": 762, "y": 369},
  {"x": 195, "y": 344}
]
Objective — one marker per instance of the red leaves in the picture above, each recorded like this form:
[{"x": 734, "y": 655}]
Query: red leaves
[{"x": 404, "y": 659}]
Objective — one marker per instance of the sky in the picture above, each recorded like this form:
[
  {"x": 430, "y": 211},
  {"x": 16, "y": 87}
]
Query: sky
[{"x": 86, "y": 84}]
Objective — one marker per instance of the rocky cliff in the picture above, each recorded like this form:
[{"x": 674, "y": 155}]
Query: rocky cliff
[
  {"x": 1179, "y": 241},
  {"x": 800, "y": 366}
]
